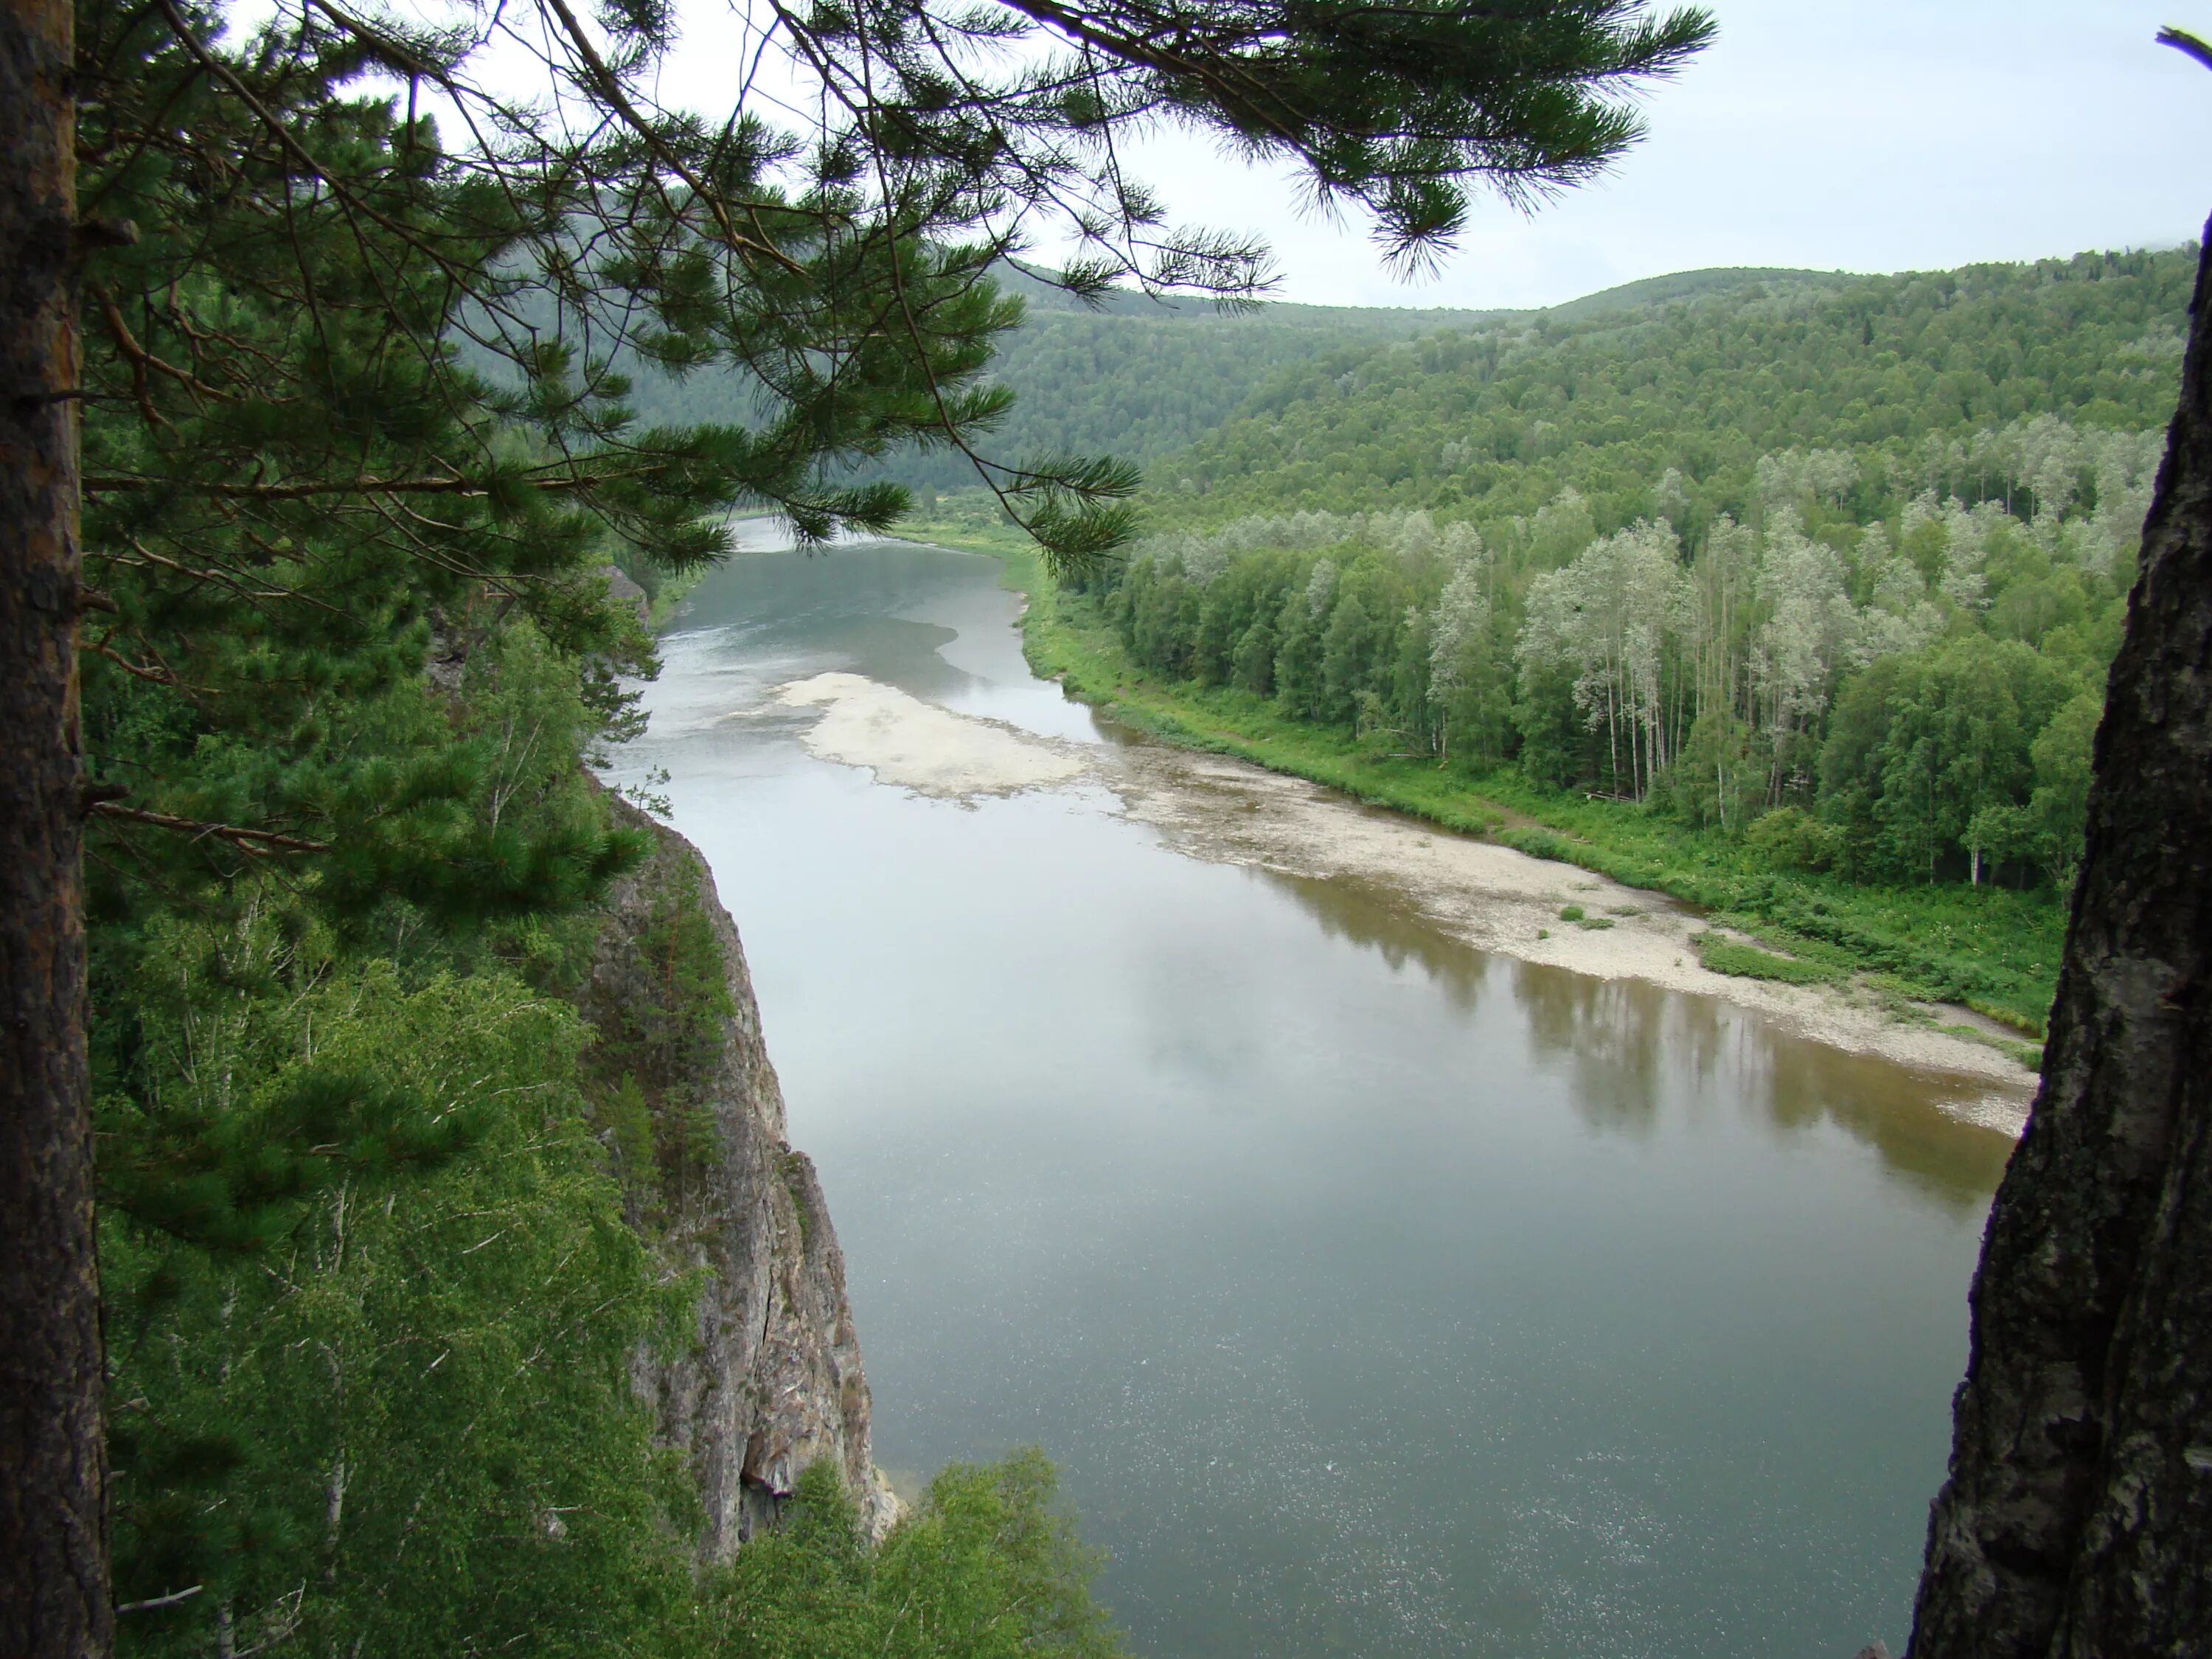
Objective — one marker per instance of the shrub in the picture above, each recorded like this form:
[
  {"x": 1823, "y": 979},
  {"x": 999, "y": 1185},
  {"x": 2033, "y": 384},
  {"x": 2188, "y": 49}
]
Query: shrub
[
  {"x": 1725, "y": 956},
  {"x": 1788, "y": 839},
  {"x": 985, "y": 1567}
]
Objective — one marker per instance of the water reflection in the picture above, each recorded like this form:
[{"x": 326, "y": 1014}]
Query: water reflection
[
  {"x": 1620, "y": 1039},
  {"x": 1349, "y": 909}
]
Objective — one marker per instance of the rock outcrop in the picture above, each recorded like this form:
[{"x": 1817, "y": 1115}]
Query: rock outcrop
[
  {"x": 626, "y": 593},
  {"x": 695, "y": 1116}
]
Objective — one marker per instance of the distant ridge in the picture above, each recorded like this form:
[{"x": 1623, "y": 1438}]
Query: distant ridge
[
  {"x": 1697, "y": 376},
  {"x": 1147, "y": 379},
  {"x": 1042, "y": 297},
  {"x": 1691, "y": 285}
]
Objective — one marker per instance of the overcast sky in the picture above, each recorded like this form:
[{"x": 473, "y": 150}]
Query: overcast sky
[
  {"x": 1871, "y": 134},
  {"x": 1877, "y": 135}
]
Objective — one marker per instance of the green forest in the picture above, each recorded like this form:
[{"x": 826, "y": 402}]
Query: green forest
[
  {"x": 1794, "y": 597},
  {"x": 1144, "y": 379}
]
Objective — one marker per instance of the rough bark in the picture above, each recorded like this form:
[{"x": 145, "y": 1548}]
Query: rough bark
[
  {"x": 53, "y": 1566},
  {"x": 2077, "y": 1520}
]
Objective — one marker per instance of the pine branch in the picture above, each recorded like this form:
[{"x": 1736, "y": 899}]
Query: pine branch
[
  {"x": 256, "y": 841},
  {"x": 141, "y": 360},
  {"x": 113, "y": 483}
]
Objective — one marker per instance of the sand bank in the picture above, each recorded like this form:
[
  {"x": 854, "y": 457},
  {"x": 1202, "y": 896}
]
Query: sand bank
[
  {"x": 1507, "y": 903},
  {"x": 916, "y": 746}
]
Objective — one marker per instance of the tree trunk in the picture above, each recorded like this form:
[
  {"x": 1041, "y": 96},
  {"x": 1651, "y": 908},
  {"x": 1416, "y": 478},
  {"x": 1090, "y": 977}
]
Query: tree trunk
[
  {"x": 54, "y": 1602},
  {"x": 2077, "y": 1520}
]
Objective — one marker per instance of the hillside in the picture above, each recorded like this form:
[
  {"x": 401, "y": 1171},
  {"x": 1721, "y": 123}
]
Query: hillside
[
  {"x": 1142, "y": 379},
  {"x": 1495, "y": 419}
]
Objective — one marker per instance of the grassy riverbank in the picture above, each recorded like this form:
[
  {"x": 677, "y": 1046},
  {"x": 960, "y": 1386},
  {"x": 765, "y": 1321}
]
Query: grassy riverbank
[{"x": 1992, "y": 950}]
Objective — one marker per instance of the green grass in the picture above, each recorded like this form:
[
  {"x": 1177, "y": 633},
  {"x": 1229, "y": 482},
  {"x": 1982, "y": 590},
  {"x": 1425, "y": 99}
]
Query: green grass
[
  {"x": 1993, "y": 950},
  {"x": 1588, "y": 923},
  {"x": 1724, "y": 956}
]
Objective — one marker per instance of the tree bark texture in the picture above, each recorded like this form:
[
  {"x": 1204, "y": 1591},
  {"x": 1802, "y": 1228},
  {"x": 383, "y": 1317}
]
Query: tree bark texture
[
  {"x": 54, "y": 1596},
  {"x": 2077, "y": 1519}
]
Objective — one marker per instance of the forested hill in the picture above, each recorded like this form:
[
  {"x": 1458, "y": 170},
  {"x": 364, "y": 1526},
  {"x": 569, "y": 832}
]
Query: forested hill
[
  {"x": 1493, "y": 419},
  {"x": 1142, "y": 379},
  {"x": 1814, "y": 581}
]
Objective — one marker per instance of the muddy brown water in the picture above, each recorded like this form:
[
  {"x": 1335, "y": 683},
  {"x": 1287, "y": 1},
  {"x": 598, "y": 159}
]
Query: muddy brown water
[{"x": 1375, "y": 1298}]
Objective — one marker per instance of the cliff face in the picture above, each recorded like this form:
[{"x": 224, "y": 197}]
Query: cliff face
[{"x": 696, "y": 1117}]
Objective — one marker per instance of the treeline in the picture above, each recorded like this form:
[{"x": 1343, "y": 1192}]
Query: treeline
[{"x": 1859, "y": 670}]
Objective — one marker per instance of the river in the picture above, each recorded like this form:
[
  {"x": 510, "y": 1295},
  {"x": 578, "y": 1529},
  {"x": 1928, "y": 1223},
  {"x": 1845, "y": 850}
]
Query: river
[{"x": 1375, "y": 1297}]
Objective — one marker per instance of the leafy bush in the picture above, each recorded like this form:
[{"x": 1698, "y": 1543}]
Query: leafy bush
[
  {"x": 986, "y": 1567},
  {"x": 1789, "y": 839}
]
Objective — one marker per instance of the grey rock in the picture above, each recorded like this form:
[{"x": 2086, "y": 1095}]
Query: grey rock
[
  {"x": 624, "y": 592},
  {"x": 774, "y": 1383}
]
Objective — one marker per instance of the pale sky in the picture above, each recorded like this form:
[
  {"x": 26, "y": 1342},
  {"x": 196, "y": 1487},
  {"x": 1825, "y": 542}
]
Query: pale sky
[
  {"x": 1872, "y": 135},
  {"x": 1875, "y": 136}
]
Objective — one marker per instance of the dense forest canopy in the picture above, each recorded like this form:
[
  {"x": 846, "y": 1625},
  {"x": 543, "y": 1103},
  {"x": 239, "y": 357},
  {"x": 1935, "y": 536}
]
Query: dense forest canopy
[{"x": 1493, "y": 422}]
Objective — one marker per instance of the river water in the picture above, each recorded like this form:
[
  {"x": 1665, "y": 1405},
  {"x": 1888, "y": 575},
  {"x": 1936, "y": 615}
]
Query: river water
[{"x": 1375, "y": 1298}]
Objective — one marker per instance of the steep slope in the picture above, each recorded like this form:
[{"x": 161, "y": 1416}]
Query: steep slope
[{"x": 774, "y": 1382}]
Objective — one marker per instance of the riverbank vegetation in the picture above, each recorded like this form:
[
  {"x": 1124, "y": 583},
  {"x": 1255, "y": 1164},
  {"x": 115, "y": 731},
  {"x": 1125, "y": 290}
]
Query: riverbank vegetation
[{"x": 1840, "y": 692}]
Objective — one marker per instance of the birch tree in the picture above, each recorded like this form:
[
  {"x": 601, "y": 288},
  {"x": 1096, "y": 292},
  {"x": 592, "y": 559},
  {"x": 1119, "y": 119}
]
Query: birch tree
[
  {"x": 1459, "y": 630},
  {"x": 1802, "y": 644},
  {"x": 1607, "y": 619}
]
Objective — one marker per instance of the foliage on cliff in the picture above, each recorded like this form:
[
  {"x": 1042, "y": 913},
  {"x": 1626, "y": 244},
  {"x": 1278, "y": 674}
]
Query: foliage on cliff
[
  {"x": 374, "y": 1298},
  {"x": 986, "y": 1567}
]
